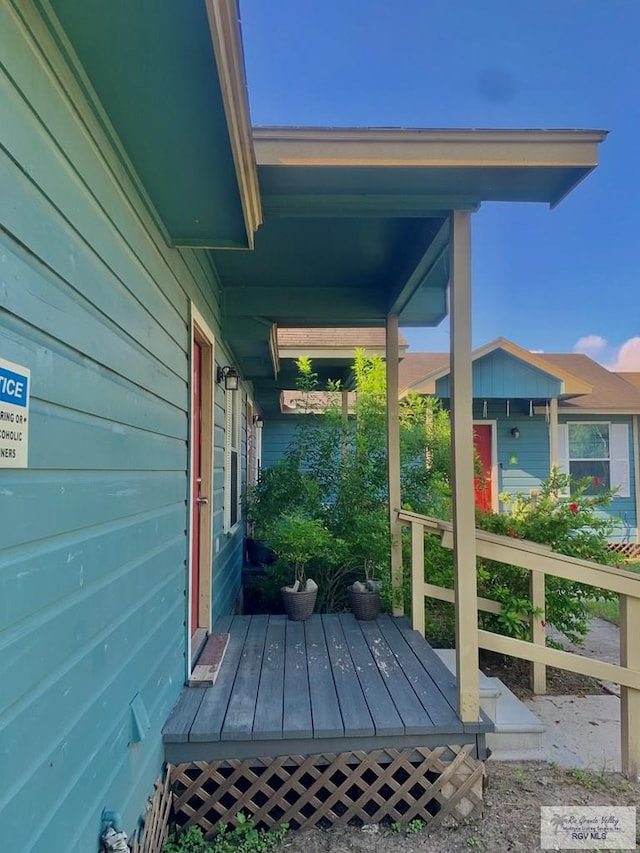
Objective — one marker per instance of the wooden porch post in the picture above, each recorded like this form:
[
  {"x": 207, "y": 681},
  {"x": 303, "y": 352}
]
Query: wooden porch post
[
  {"x": 636, "y": 470},
  {"x": 462, "y": 469},
  {"x": 393, "y": 456},
  {"x": 553, "y": 433},
  {"x": 629, "y": 698}
]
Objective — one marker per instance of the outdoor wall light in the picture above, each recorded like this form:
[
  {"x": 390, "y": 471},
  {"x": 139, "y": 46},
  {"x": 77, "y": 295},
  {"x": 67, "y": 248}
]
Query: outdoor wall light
[
  {"x": 230, "y": 376},
  {"x": 258, "y": 422},
  {"x": 515, "y": 432}
]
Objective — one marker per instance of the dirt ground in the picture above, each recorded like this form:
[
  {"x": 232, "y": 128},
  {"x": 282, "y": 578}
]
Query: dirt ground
[{"x": 513, "y": 797}]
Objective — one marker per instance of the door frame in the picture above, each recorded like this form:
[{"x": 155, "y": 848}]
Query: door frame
[
  {"x": 494, "y": 459},
  {"x": 201, "y": 332}
]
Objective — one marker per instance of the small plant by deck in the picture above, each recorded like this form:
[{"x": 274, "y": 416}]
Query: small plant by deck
[{"x": 244, "y": 838}]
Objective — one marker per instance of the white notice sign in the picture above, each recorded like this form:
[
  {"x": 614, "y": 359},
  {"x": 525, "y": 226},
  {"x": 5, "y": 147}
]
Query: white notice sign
[{"x": 14, "y": 414}]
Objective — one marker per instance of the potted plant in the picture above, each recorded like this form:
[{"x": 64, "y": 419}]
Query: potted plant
[
  {"x": 368, "y": 542},
  {"x": 296, "y": 539},
  {"x": 364, "y": 596}
]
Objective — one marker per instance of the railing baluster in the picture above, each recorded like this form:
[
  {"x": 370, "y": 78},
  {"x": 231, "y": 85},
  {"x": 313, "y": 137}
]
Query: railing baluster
[
  {"x": 417, "y": 576},
  {"x": 538, "y": 671},
  {"x": 630, "y": 698}
]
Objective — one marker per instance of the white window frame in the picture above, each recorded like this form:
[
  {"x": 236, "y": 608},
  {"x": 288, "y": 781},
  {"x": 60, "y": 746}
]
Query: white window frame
[
  {"x": 232, "y": 444},
  {"x": 619, "y": 471}
]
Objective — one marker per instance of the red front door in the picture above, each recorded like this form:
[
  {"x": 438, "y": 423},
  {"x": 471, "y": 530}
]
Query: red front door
[
  {"x": 197, "y": 477},
  {"x": 483, "y": 486}
]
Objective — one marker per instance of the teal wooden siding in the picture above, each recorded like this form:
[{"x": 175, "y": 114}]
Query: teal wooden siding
[
  {"x": 276, "y": 437},
  {"x": 499, "y": 375},
  {"x": 93, "y": 545}
]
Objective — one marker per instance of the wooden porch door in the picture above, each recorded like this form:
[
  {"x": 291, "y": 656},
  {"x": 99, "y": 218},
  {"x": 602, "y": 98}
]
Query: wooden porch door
[
  {"x": 200, "y": 568},
  {"x": 483, "y": 485},
  {"x": 196, "y": 497}
]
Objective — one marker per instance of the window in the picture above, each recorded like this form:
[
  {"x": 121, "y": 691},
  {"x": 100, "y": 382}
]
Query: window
[
  {"x": 597, "y": 450},
  {"x": 231, "y": 460}
]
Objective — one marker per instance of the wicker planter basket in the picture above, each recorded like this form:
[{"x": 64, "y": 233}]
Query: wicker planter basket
[
  {"x": 298, "y": 605},
  {"x": 365, "y": 605}
]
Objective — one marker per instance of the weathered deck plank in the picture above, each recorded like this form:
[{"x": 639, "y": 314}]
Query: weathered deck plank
[
  {"x": 325, "y": 709},
  {"x": 296, "y": 720},
  {"x": 355, "y": 712},
  {"x": 415, "y": 718},
  {"x": 267, "y": 722},
  {"x": 238, "y": 721},
  {"x": 208, "y": 722},
  {"x": 381, "y": 707},
  {"x": 442, "y": 715}
]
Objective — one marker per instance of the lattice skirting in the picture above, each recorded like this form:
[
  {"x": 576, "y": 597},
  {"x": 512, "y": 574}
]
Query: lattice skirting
[
  {"x": 325, "y": 789},
  {"x": 627, "y": 549},
  {"x": 155, "y": 822}
]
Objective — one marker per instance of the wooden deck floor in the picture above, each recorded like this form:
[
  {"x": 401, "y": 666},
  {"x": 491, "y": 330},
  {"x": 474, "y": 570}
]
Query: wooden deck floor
[{"x": 325, "y": 685}]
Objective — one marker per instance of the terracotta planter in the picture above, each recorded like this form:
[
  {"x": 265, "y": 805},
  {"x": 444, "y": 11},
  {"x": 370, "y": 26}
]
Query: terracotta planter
[
  {"x": 365, "y": 605},
  {"x": 298, "y": 605}
]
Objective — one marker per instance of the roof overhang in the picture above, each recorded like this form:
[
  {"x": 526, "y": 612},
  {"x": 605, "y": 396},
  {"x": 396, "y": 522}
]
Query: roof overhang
[
  {"x": 357, "y": 220},
  {"x": 166, "y": 81}
]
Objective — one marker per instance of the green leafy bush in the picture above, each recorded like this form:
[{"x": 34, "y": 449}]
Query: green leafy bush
[
  {"x": 563, "y": 516},
  {"x": 335, "y": 472},
  {"x": 244, "y": 838}
]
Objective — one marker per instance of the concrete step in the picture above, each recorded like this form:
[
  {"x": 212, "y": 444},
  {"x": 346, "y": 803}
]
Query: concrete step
[{"x": 518, "y": 731}]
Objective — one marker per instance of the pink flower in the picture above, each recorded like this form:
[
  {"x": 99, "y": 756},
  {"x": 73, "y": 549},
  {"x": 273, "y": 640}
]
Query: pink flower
[
  {"x": 574, "y": 507},
  {"x": 543, "y": 623}
]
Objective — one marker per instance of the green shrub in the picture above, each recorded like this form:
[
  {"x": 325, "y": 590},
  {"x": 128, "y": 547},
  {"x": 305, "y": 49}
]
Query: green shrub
[
  {"x": 570, "y": 525},
  {"x": 244, "y": 838}
]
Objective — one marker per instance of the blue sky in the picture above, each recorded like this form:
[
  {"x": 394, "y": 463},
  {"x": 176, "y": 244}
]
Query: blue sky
[{"x": 548, "y": 280}]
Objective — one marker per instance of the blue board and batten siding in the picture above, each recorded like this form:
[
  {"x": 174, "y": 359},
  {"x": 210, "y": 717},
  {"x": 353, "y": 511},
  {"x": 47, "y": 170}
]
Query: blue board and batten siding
[
  {"x": 502, "y": 375},
  {"x": 93, "y": 544}
]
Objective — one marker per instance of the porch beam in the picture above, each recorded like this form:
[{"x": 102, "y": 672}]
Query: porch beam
[
  {"x": 336, "y": 205},
  {"x": 462, "y": 469},
  {"x": 393, "y": 462},
  {"x": 307, "y": 304}
]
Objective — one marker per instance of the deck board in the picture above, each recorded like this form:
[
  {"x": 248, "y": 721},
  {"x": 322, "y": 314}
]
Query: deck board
[
  {"x": 412, "y": 713},
  {"x": 381, "y": 706},
  {"x": 296, "y": 720},
  {"x": 325, "y": 708},
  {"x": 353, "y": 706},
  {"x": 209, "y": 719},
  {"x": 329, "y": 684},
  {"x": 238, "y": 722},
  {"x": 267, "y": 723},
  {"x": 415, "y": 668}
]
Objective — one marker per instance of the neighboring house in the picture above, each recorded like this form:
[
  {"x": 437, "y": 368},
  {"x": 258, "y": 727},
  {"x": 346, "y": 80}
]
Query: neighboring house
[
  {"x": 129, "y": 172},
  {"x": 532, "y": 410},
  {"x": 332, "y": 353}
]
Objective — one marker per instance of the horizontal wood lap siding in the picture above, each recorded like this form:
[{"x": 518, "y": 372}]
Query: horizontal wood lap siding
[
  {"x": 93, "y": 551},
  {"x": 277, "y": 434}
]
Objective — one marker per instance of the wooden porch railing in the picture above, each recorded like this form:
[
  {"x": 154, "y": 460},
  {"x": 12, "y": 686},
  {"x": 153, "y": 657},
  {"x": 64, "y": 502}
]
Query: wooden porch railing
[{"x": 540, "y": 560}]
